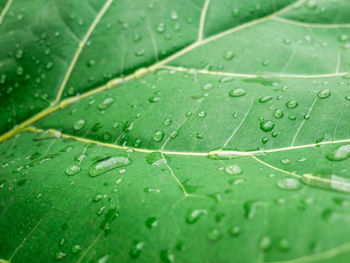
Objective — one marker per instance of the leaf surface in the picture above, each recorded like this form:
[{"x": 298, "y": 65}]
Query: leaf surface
[{"x": 174, "y": 131}]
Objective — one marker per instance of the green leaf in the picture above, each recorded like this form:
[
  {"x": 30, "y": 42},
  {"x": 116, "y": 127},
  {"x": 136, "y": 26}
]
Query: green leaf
[{"x": 174, "y": 131}]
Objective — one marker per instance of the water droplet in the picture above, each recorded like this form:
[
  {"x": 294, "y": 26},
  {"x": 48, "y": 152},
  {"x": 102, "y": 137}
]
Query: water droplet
[
  {"x": 193, "y": 215},
  {"x": 158, "y": 136},
  {"x": 288, "y": 184},
  {"x": 72, "y": 170},
  {"x": 229, "y": 55},
  {"x": 154, "y": 99},
  {"x": 239, "y": 92},
  {"x": 167, "y": 256},
  {"x": 202, "y": 114},
  {"x": 292, "y": 104},
  {"x": 265, "y": 99},
  {"x": 79, "y": 124},
  {"x": 151, "y": 222},
  {"x": 324, "y": 94},
  {"x": 283, "y": 244},
  {"x": 106, "y": 103},
  {"x": 339, "y": 154},
  {"x": 267, "y": 125},
  {"x": 167, "y": 122},
  {"x": 327, "y": 181},
  {"x": 278, "y": 113},
  {"x": 233, "y": 169},
  {"x": 265, "y": 243},
  {"x": 107, "y": 164},
  {"x": 76, "y": 249},
  {"x": 343, "y": 38},
  {"x": 136, "y": 249},
  {"x": 174, "y": 134},
  {"x": 251, "y": 207},
  {"x": 214, "y": 235},
  {"x": 235, "y": 231}
]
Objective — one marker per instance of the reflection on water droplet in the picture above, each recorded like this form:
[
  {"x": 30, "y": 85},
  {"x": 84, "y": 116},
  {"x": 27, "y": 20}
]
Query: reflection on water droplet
[
  {"x": 235, "y": 231},
  {"x": 229, "y": 55},
  {"x": 233, "y": 169},
  {"x": 106, "y": 103},
  {"x": 151, "y": 222},
  {"x": 158, "y": 136},
  {"x": 288, "y": 184},
  {"x": 72, "y": 170},
  {"x": 323, "y": 94},
  {"x": 136, "y": 249},
  {"x": 79, "y": 124},
  {"x": 107, "y": 164},
  {"x": 327, "y": 181},
  {"x": 265, "y": 99},
  {"x": 278, "y": 113},
  {"x": 267, "y": 125},
  {"x": 339, "y": 154},
  {"x": 214, "y": 235},
  {"x": 292, "y": 104},
  {"x": 239, "y": 92},
  {"x": 193, "y": 215},
  {"x": 265, "y": 243},
  {"x": 167, "y": 256}
]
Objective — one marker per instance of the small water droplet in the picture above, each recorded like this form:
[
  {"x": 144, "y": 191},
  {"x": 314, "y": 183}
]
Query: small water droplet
[
  {"x": 79, "y": 124},
  {"x": 136, "y": 249},
  {"x": 214, "y": 235},
  {"x": 278, "y": 113},
  {"x": 229, "y": 55},
  {"x": 193, "y": 215},
  {"x": 151, "y": 222},
  {"x": 72, "y": 170},
  {"x": 239, "y": 92},
  {"x": 106, "y": 103},
  {"x": 158, "y": 136}
]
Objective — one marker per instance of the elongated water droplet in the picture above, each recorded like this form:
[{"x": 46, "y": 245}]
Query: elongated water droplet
[
  {"x": 288, "y": 184},
  {"x": 323, "y": 94},
  {"x": 292, "y": 104},
  {"x": 339, "y": 154},
  {"x": 193, "y": 215},
  {"x": 265, "y": 99},
  {"x": 72, "y": 170},
  {"x": 327, "y": 181},
  {"x": 106, "y": 103},
  {"x": 79, "y": 124},
  {"x": 239, "y": 92},
  {"x": 107, "y": 164},
  {"x": 233, "y": 169}
]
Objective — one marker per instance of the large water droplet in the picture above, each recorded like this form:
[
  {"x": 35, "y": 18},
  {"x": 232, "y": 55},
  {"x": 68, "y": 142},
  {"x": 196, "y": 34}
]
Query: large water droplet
[
  {"x": 339, "y": 154},
  {"x": 267, "y": 125},
  {"x": 288, "y": 184},
  {"x": 323, "y": 94},
  {"x": 327, "y": 181},
  {"x": 158, "y": 136},
  {"x": 107, "y": 164},
  {"x": 233, "y": 169}
]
